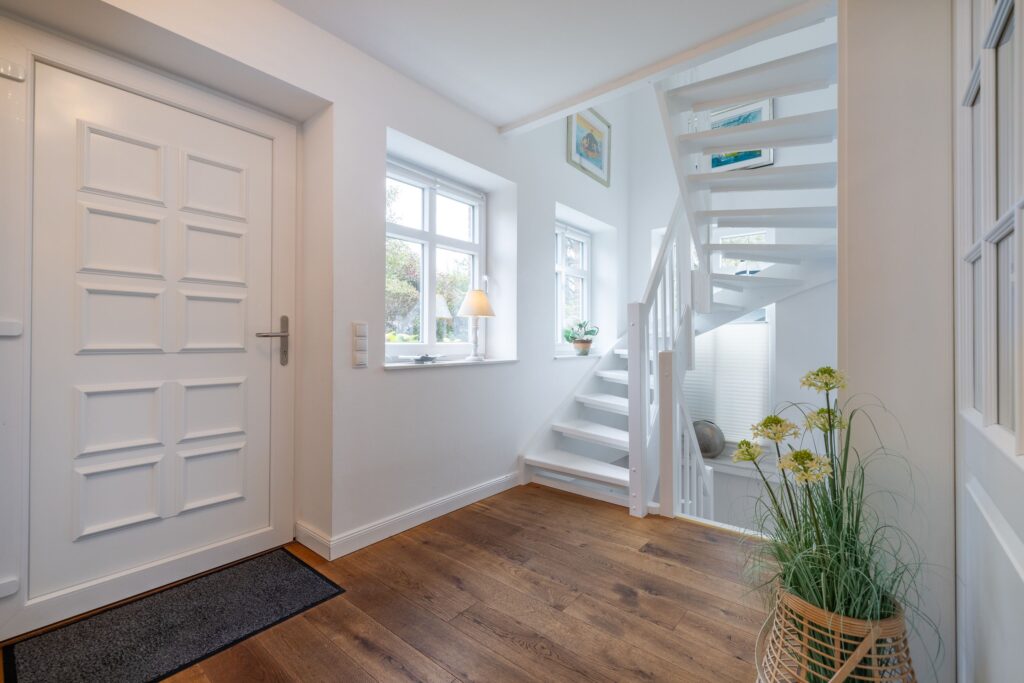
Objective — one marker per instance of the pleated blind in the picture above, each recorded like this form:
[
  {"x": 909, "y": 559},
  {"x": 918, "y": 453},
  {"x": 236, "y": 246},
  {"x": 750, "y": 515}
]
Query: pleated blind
[{"x": 729, "y": 383}]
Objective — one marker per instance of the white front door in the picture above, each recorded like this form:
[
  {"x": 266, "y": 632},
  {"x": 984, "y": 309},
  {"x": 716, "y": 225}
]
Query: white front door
[{"x": 150, "y": 417}]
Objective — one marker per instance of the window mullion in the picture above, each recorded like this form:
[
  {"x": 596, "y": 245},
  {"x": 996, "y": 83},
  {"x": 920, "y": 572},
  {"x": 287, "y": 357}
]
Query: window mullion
[{"x": 430, "y": 296}]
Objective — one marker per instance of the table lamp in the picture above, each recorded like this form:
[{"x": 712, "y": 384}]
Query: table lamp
[{"x": 474, "y": 307}]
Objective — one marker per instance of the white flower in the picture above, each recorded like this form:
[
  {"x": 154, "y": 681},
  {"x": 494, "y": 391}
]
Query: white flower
[
  {"x": 824, "y": 379},
  {"x": 807, "y": 468},
  {"x": 746, "y": 452},
  {"x": 824, "y": 419},
  {"x": 775, "y": 428}
]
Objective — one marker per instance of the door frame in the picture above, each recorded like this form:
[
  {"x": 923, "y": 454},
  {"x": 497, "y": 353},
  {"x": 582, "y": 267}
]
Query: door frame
[{"x": 28, "y": 46}]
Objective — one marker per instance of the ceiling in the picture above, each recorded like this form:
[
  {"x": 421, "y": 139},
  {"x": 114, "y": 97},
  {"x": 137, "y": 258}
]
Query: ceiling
[{"x": 507, "y": 60}]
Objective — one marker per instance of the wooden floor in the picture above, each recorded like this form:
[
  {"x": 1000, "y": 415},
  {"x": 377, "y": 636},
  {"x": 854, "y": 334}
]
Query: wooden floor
[{"x": 532, "y": 584}]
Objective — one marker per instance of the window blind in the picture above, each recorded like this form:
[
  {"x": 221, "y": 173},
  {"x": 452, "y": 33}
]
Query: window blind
[{"x": 729, "y": 382}]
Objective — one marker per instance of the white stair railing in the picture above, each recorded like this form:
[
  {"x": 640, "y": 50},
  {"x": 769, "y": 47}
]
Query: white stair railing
[{"x": 662, "y": 447}]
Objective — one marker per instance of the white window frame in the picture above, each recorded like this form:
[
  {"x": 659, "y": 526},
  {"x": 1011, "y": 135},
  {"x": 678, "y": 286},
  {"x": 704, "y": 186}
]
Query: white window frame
[
  {"x": 563, "y": 230},
  {"x": 432, "y": 186},
  {"x": 979, "y": 89}
]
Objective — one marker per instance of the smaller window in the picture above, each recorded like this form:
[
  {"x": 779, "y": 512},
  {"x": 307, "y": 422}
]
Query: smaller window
[
  {"x": 742, "y": 266},
  {"x": 572, "y": 276}
]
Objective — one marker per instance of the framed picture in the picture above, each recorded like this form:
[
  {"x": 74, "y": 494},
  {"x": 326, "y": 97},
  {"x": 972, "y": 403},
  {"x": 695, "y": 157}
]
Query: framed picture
[
  {"x": 740, "y": 116},
  {"x": 589, "y": 145}
]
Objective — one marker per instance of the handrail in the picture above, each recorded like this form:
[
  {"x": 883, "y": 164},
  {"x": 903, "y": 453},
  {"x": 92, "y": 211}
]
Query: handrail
[
  {"x": 658, "y": 269},
  {"x": 660, "y": 326}
]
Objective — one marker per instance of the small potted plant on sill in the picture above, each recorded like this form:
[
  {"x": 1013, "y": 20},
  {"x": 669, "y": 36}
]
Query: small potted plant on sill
[
  {"x": 581, "y": 336},
  {"x": 841, "y": 578}
]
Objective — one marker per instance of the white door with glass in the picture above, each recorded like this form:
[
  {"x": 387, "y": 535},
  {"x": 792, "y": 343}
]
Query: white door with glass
[
  {"x": 151, "y": 396},
  {"x": 990, "y": 415}
]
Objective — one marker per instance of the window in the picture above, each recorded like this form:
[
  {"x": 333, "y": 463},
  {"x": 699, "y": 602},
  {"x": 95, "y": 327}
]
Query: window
[
  {"x": 742, "y": 266},
  {"x": 729, "y": 384},
  {"x": 435, "y": 254},
  {"x": 572, "y": 276}
]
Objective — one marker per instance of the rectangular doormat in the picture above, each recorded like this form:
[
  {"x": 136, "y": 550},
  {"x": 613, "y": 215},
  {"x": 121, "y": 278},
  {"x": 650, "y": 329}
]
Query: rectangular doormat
[{"x": 158, "y": 635}]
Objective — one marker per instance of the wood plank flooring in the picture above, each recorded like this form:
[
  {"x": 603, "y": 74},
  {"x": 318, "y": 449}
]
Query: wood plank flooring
[{"x": 530, "y": 585}]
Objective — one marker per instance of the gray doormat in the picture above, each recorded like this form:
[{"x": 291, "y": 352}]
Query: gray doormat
[{"x": 153, "y": 637}]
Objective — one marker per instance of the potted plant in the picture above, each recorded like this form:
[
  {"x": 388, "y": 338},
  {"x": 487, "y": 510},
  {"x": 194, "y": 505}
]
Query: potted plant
[
  {"x": 839, "y": 575},
  {"x": 581, "y": 336}
]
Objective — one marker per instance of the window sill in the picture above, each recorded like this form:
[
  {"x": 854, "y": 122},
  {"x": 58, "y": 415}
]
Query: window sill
[
  {"x": 448, "y": 363},
  {"x": 572, "y": 356},
  {"x": 725, "y": 465}
]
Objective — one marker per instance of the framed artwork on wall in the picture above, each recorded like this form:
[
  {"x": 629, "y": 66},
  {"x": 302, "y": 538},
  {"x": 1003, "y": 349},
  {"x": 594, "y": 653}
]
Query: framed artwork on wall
[
  {"x": 741, "y": 115},
  {"x": 589, "y": 145}
]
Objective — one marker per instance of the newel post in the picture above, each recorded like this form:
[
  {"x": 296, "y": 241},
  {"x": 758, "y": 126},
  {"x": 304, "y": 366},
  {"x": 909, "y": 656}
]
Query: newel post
[
  {"x": 670, "y": 457},
  {"x": 639, "y": 403}
]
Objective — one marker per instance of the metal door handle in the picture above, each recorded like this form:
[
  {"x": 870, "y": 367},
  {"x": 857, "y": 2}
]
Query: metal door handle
[{"x": 282, "y": 335}]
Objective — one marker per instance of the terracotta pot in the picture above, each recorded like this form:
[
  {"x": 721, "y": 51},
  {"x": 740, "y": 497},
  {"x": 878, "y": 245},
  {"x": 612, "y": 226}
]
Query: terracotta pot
[
  {"x": 582, "y": 346},
  {"x": 801, "y": 642}
]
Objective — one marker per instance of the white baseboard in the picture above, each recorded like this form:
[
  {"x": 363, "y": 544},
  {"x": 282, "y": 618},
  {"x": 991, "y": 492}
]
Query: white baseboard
[
  {"x": 368, "y": 534},
  {"x": 314, "y": 539}
]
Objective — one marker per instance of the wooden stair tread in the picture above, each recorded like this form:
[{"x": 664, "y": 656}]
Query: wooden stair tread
[
  {"x": 788, "y": 131},
  {"x": 606, "y": 402},
  {"x": 595, "y": 432},
  {"x": 794, "y": 177},
  {"x": 787, "y": 217},
  {"x": 580, "y": 466},
  {"x": 805, "y": 71}
]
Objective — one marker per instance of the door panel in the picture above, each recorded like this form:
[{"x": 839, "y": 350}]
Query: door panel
[{"x": 151, "y": 274}]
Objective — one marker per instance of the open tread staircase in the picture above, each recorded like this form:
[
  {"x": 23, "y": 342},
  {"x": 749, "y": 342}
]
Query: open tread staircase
[{"x": 653, "y": 451}]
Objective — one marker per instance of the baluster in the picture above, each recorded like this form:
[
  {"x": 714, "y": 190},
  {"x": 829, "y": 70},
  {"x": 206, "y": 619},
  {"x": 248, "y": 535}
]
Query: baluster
[{"x": 673, "y": 293}]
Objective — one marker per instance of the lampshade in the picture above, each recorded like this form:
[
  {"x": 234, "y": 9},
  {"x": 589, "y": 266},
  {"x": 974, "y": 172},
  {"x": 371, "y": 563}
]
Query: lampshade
[
  {"x": 442, "y": 312},
  {"x": 476, "y": 304}
]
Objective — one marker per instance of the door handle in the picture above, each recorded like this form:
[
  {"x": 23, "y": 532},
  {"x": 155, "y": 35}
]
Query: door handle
[{"x": 282, "y": 335}]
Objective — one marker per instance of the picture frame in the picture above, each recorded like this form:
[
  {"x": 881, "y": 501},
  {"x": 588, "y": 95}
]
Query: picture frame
[
  {"x": 589, "y": 145},
  {"x": 753, "y": 112}
]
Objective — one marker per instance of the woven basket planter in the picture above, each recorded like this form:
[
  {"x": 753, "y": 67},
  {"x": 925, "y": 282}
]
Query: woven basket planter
[{"x": 801, "y": 642}]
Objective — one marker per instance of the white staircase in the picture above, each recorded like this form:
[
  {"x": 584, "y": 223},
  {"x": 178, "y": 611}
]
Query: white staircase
[
  {"x": 789, "y": 205},
  {"x": 738, "y": 240},
  {"x": 585, "y": 448}
]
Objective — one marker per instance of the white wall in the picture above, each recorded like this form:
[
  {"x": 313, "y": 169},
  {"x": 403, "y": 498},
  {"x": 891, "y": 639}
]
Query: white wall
[
  {"x": 394, "y": 445},
  {"x": 805, "y": 339},
  {"x": 895, "y": 320},
  {"x": 653, "y": 188}
]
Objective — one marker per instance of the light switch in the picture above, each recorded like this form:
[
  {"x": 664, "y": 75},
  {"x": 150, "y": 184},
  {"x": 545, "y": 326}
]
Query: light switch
[{"x": 360, "y": 345}]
